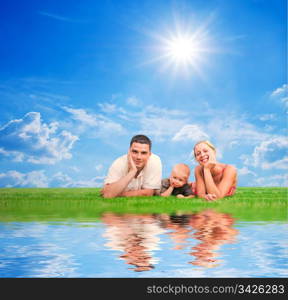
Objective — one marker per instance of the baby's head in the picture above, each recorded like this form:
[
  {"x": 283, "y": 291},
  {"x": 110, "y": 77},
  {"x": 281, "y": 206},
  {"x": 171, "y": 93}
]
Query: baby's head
[{"x": 180, "y": 174}]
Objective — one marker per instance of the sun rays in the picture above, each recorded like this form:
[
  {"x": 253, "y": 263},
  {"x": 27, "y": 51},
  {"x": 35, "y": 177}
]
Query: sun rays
[{"x": 183, "y": 50}]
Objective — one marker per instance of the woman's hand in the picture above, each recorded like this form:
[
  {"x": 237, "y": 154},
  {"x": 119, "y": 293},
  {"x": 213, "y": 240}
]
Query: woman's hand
[
  {"x": 211, "y": 163},
  {"x": 210, "y": 197}
]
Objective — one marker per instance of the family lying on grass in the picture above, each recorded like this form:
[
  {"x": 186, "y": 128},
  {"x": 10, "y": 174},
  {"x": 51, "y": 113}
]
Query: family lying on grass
[{"x": 139, "y": 173}]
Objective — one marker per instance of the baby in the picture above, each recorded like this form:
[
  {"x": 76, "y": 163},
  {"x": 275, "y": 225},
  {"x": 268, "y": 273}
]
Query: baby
[{"x": 177, "y": 184}]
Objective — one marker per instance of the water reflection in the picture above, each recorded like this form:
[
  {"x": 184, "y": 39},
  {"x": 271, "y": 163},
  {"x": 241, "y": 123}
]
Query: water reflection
[
  {"x": 138, "y": 236},
  {"x": 212, "y": 229}
]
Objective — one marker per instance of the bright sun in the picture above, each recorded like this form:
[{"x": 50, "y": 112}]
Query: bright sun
[
  {"x": 182, "y": 49},
  {"x": 185, "y": 52}
]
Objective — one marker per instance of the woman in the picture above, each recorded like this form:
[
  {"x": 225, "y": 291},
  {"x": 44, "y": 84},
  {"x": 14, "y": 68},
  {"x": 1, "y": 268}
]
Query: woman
[{"x": 214, "y": 180}]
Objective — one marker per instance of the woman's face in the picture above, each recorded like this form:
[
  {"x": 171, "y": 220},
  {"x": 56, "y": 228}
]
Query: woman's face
[{"x": 203, "y": 153}]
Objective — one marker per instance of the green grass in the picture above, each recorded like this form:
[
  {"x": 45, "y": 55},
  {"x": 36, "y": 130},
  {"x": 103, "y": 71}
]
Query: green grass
[{"x": 85, "y": 204}]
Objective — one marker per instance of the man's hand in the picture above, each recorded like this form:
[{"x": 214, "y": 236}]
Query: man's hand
[{"x": 131, "y": 164}]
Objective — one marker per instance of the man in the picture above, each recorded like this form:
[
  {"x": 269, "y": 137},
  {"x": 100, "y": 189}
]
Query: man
[{"x": 137, "y": 173}]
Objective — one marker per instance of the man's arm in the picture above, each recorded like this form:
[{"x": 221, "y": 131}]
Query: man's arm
[
  {"x": 152, "y": 177},
  {"x": 116, "y": 189},
  {"x": 143, "y": 192}
]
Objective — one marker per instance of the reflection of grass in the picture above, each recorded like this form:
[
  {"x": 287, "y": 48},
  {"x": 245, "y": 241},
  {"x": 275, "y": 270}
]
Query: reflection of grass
[{"x": 251, "y": 204}]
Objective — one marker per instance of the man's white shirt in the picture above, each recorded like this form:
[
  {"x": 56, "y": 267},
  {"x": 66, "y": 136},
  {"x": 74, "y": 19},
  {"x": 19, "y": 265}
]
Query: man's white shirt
[{"x": 149, "y": 177}]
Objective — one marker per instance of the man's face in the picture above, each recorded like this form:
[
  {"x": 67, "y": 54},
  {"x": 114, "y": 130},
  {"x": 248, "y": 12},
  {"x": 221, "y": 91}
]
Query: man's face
[{"x": 140, "y": 154}]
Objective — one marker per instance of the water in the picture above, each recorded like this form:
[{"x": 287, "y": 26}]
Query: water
[{"x": 202, "y": 244}]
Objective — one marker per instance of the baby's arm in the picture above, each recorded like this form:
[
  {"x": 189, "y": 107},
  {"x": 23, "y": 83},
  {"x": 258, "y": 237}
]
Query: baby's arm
[
  {"x": 168, "y": 192},
  {"x": 182, "y": 196},
  {"x": 187, "y": 192}
]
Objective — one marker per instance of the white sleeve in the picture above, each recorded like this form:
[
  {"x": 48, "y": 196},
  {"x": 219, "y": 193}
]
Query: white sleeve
[
  {"x": 153, "y": 173},
  {"x": 116, "y": 171}
]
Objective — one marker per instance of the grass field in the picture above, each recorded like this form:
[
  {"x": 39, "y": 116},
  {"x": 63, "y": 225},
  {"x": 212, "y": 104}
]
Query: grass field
[{"x": 251, "y": 204}]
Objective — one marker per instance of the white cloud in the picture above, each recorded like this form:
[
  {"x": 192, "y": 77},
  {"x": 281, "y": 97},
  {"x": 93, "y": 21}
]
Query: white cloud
[
  {"x": 274, "y": 180},
  {"x": 269, "y": 128},
  {"x": 284, "y": 100},
  {"x": 280, "y": 91},
  {"x": 160, "y": 128},
  {"x": 224, "y": 130},
  {"x": 108, "y": 107},
  {"x": 245, "y": 171},
  {"x": 233, "y": 144},
  {"x": 63, "y": 180},
  {"x": 17, "y": 179},
  {"x": 161, "y": 111},
  {"x": 48, "y": 97},
  {"x": 74, "y": 168},
  {"x": 60, "y": 180},
  {"x": 232, "y": 128},
  {"x": 270, "y": 154},
  {"x": 190, "y": 132},
  {"x": 281, "y": 94},
  {"x": 99, "y": 167},
  {"x": 134, "y": 101},
  {"x": 278, "y": 164},
  {"x": 267, "y": 117},
  {"x": 60, "y": 18},
  {"x": 29, "y": 139},
  {"x": 158, "y": 122},
  {"x": 96, "y": 181},
  {"x": 103, "y": 125},
  {"x": 38, "y": 179},
  {"x": 82, "y": 116}
]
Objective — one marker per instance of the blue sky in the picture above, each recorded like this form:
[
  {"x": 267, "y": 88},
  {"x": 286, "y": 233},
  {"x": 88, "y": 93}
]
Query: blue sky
[{"x": 79, "y": 79}]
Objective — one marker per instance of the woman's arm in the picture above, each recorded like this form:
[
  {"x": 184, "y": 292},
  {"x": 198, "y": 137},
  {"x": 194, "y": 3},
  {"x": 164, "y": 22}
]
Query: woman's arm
[
  {"x": 228, "y": 180},
  {"x": 200, "y": 184},
  {"x": 224, "y": 186}
]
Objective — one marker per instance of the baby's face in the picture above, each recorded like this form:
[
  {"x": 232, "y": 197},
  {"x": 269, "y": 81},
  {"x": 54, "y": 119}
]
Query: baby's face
[{"x": 178, "y": 178}]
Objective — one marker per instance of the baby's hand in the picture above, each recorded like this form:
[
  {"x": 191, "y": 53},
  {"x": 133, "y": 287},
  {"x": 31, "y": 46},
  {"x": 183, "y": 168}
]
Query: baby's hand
[
  {"x": 171, "y": 182},
  {"x": 180, "y": 196}
]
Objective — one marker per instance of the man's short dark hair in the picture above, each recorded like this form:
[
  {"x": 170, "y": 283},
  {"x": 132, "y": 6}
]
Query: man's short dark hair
[{"x": 142, "y": 139}]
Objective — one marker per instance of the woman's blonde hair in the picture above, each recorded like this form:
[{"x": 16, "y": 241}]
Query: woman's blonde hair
[{"x": 207, "y": 143}]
